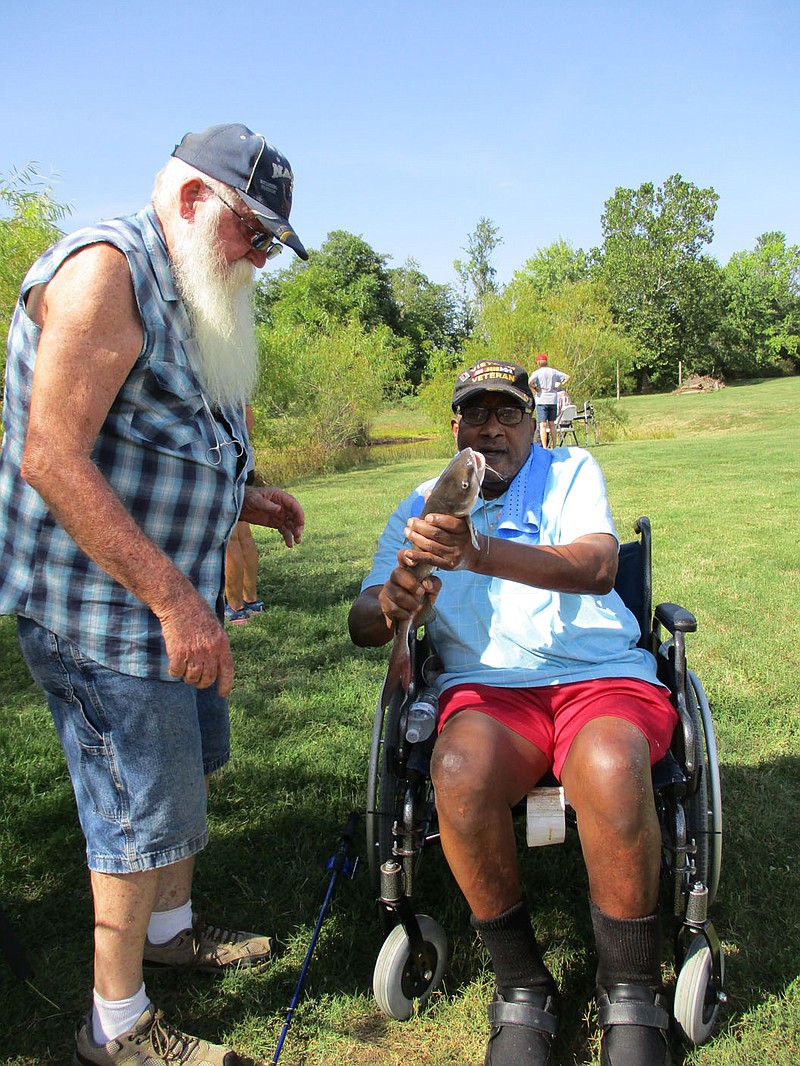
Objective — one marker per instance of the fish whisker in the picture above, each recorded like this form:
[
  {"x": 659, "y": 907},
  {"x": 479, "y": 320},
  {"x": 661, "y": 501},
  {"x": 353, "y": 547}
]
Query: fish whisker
[{"x": 496, "y": 473}]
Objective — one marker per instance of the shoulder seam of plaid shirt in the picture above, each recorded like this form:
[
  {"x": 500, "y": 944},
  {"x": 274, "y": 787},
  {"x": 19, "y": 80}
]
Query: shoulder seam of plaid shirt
[{"x": 154, "y": 449}]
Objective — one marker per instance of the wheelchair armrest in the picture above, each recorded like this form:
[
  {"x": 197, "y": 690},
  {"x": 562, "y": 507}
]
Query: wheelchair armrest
[{"x": 675, "y": 618}]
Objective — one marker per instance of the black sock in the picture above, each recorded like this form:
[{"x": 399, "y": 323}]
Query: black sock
[
  {"x": 628, "y": 949},
  {"x": 511, "y": 943}
]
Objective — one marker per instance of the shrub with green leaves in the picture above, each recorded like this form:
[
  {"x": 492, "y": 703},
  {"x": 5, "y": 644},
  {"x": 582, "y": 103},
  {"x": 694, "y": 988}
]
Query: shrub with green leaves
[
  {"x": 29, "y": 230},
  {"x": 319, "y": 390}
]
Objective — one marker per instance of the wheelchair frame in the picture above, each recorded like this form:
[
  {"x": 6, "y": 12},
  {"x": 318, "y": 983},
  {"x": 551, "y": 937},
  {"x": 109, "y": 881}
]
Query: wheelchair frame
[{"x": 401, "y": 818}]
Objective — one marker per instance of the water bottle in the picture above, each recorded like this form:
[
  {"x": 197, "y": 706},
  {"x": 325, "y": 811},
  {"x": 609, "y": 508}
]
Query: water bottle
[{"x": 422, "y": 715}]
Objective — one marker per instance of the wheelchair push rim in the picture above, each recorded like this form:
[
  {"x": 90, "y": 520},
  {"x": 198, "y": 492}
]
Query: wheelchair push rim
[
  {"x": 380, "y": 781},
  {"x": 709, "y": 819},
  {"x": 400, "y": 808}
]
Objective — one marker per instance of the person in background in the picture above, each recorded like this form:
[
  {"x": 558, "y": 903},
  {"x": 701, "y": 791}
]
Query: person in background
[
  {"x": 546, "y": 382},
  {"x": 241, "y": 562},
  {"x": 541, "y": 672},
  {"x": 131, "y": 355}
]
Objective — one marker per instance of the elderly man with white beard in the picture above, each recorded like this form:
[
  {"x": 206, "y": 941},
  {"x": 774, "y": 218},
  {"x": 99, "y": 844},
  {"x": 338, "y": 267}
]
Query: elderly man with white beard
[{"x": 122, "y": 473}]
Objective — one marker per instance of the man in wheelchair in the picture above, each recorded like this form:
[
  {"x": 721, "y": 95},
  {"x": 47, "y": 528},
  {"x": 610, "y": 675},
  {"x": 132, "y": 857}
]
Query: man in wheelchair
[{"x": 541, "y": 673}]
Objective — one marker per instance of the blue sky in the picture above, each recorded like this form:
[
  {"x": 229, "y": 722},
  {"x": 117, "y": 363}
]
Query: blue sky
[{"x": 405, "y": 122}]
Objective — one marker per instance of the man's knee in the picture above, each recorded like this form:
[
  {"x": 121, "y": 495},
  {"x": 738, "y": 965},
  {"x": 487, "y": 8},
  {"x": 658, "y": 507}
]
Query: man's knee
[
  {"x": 613, "y": 762},
  {"x": 608, "y": 778},
  {"x": 452, "y": 769},
  {"x": 609, "y": 747},
  {"x": 464, "y": 773}
]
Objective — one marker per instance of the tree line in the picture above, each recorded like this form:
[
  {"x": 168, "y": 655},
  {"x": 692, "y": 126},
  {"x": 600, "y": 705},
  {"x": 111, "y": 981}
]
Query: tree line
[
  {"x": 646, "y": 306},
  {"x": 346, "y": 332}
]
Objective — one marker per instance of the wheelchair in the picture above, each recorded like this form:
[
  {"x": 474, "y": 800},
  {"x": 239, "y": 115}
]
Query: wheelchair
[{"x": 401, "y": 818}]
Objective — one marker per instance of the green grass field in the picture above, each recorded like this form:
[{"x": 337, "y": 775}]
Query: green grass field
[{"x": 718, "y": 475}]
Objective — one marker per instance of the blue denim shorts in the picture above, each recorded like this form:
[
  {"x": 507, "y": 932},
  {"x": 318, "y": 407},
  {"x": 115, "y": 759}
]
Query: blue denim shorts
[
  {"x": 546, "y": 412},
  {"x": 137, "y": 751}
]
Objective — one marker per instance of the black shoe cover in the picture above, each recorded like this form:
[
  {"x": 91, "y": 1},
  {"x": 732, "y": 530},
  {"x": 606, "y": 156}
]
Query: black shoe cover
[
  {"x": 635, "y": 1023},
  {"x": 523, "y": 1022}
]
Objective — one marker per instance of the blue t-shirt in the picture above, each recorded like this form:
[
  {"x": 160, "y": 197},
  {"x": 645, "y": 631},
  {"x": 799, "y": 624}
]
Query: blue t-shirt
[{"x": 493, "y": 631}]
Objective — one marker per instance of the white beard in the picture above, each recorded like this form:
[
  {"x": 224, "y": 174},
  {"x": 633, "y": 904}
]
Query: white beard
[{"x": 218, "y": 297}]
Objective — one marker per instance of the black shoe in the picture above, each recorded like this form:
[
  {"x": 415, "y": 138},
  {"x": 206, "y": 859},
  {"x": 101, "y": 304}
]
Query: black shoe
[
  {"x": 523, "y": 1022},
  {"x": 635, "y": 1024}
]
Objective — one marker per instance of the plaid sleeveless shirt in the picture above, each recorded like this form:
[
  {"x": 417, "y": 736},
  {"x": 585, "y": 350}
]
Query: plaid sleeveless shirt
[{"x": 158, "y": 449}]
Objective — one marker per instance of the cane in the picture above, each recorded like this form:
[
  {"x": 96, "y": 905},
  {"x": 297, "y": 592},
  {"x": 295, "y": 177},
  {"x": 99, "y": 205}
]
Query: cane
[{"x": 337, "y": 864}]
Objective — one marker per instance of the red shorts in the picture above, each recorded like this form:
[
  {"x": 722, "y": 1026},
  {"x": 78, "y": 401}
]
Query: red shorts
[{"x": 551, "y": 716}]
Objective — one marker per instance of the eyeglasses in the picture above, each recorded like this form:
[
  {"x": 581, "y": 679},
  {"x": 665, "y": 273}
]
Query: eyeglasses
[
  {"x": 259, "y": 238},
  {"x": 506, "y": 416}
]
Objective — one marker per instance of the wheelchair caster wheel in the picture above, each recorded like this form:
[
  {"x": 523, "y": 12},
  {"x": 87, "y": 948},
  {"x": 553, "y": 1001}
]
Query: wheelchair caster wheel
[
  {"x": 697, "y": 999},
  {"x": 395, "y": 981}
]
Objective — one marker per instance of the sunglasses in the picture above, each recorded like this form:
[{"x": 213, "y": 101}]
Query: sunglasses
[
  {"x": 259, "y": 238},
  {"x": 506, "y": 416}
]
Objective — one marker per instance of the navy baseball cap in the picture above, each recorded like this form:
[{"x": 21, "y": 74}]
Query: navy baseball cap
[{"x": 248, "y": 163}]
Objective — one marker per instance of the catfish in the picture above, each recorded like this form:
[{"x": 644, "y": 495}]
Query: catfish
[{"x": 455, "y": 493}]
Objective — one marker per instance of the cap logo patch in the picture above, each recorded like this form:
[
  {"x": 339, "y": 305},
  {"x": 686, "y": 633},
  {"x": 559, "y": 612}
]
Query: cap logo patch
[{"x": 495, "y": 371}]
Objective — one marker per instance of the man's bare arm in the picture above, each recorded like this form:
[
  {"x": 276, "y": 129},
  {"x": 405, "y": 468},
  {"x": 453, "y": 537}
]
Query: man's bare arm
[
  {"x": 366, "y": 623},
  {"x": 587, "y": 565}
]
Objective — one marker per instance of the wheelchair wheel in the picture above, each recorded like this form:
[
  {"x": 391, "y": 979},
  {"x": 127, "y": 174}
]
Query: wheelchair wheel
[
  {"x": 395, "y": 981},
  {"x": 697, "y": 809},
  {"x": 705, "y": 808},
  {"x": 382, "y": 786},
  {"x": 400, "y": 806},
  {"x": 696, "y": 1004}
]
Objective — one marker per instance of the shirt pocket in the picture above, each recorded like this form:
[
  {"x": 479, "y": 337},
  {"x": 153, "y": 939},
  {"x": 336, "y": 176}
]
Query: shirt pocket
[{"x": 170, "y": 414}]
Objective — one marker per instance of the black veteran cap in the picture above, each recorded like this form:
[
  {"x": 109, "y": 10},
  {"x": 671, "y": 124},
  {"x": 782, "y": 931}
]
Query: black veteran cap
[
  {"x": 248, "y": 163},
  {"x": 492, "y": 376}
]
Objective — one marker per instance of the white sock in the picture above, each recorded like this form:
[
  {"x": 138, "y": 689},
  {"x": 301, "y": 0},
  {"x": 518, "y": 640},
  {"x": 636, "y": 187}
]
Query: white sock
[
  {"x": 113, "y": 1017},
  {"x": 164, "y": 925}
]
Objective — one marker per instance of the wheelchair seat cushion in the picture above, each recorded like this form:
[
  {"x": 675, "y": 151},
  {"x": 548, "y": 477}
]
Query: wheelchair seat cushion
[
  {"x": 523, "y": 1023},
  {"x": 635, "y": 1022}
]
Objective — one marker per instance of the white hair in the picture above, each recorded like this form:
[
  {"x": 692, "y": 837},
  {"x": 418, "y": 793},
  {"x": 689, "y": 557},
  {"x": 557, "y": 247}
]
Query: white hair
[{"x": 174, "y": 174}]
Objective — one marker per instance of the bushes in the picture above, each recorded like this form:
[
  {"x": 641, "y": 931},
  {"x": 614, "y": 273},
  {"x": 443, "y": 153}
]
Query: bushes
[
  {"x": 30, "y": 229},
  {"x": 318, "y": 392}
]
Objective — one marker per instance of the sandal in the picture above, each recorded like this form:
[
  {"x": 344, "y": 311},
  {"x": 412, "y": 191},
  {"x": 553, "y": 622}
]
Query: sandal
[
  {"x": 635, "y": 1022},
  {"x": 523, "y": 1022}
]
